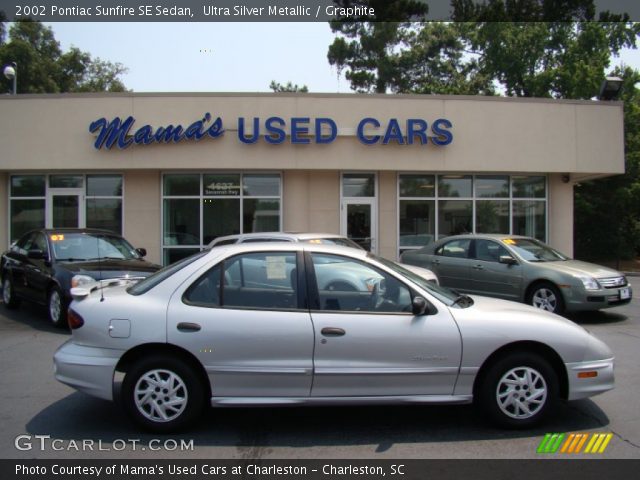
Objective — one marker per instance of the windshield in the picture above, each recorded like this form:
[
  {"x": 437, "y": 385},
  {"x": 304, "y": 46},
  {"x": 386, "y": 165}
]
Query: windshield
[
  {"x": 75, "y": 247},
  {"x": 342, "y": 241},
  {"x": 146, "y": 284},
  {"x": 446, "y": 296},
  {"x": 534, "y": 251}
]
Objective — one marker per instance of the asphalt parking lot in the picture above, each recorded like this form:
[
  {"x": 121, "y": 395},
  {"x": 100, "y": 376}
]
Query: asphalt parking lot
[{"x": 50, "y": 420}]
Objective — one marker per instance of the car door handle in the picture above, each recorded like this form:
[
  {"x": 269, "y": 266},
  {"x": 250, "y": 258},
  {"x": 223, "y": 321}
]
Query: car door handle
[
  {"x": 436, "y": 262},
  {"x": 478, "y": 267},
  {"x": 332, "y": 332},
  {"x": 188, "y": 327}
]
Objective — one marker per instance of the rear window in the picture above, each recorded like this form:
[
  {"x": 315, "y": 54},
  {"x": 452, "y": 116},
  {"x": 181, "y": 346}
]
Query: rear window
[{"x": 143, "y": 286}]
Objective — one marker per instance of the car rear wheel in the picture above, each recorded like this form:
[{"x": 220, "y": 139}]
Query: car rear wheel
[
  {"x": 8, "y": 297},
  {"x": 546, "y": 296},
  {"x": 162, "y": 394},
  {"x": 518, "y": 391},
  {"x": 56, "y": 308}
]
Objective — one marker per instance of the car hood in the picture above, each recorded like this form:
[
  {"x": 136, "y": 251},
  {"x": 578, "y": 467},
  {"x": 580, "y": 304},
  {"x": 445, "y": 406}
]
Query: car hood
[
  {"x": 577, "y": 267},
  {"x": 109, "y": 268}
]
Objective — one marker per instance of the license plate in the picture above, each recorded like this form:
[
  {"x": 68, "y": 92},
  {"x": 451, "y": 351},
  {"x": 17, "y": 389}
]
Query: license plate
[{"x": 625, "y": 293}]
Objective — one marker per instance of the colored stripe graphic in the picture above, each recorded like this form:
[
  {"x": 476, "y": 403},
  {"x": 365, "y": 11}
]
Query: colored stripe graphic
[{"x": 573, "y": 443}]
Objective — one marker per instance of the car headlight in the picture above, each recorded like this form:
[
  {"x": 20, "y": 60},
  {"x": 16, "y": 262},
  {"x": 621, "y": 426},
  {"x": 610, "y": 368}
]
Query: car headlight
[
  {"x": 80, "y": 280},
  {"x": 589, "y": 283}
]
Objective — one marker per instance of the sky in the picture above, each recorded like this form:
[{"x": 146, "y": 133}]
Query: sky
[{"x": 219, "y": 57}]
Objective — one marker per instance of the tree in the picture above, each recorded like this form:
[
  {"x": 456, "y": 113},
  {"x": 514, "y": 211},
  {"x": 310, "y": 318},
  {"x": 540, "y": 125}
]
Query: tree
[
  {"x": 277, "y": 87},
  {"x": 44, "y": 68}
]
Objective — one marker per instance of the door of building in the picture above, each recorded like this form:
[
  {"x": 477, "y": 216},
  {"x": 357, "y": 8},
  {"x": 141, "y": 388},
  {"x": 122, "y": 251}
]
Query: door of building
[
  {"x": 65, "y": 208},
  {"x": 358, "y": 221}
]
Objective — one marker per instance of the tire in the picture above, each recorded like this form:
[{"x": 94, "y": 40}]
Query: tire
[
  {"x": 546, "y": 296},
  {"x": 56, "y": 307},
  {"x": 505, "y": 392},
  {"x": 141, "y": 400},
  {"x": 8, "y": 298}
]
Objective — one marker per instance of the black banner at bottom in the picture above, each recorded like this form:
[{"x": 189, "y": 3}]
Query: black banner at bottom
[{"x": 263, "y": 469}]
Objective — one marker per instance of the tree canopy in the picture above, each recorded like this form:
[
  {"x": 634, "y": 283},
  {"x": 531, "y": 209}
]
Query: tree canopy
[
  {"x": 278, "y": 87},
  {"x": 44, "y": 68}
]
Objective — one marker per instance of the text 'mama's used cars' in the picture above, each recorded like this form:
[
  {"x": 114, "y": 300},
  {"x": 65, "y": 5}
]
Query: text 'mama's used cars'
[
  {"x": 522, "y": 269},
  {"x": 43, "y": 265},
  {"x": 258, "y": 324}
]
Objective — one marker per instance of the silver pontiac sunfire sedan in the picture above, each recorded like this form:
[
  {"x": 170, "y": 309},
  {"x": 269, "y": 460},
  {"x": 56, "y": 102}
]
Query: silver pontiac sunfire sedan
[{"x": 305, "y": 324}]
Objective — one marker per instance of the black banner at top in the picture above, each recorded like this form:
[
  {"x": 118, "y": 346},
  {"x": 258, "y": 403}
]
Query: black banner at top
[{"x": 319, "y": 10}]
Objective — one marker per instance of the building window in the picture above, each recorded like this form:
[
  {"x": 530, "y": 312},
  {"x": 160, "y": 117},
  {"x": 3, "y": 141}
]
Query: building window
[
  {"x": 198, "y": 208},
  {"x": 435, "y": 206},
  {"x": 56, "y": 201}
]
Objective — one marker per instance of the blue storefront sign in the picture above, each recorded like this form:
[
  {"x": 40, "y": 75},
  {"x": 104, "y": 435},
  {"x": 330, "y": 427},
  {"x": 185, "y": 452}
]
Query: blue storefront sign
[{"x": 274, "y": 131}]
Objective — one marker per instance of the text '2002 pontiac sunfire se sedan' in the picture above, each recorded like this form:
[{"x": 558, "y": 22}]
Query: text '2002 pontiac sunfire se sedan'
[{"x": 300, "y": 324}]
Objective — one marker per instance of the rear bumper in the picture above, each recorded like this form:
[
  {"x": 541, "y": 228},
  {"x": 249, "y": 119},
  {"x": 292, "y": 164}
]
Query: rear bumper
[
  {"x": 87, "y": 369},
  {"x": 587, "y": 387}
]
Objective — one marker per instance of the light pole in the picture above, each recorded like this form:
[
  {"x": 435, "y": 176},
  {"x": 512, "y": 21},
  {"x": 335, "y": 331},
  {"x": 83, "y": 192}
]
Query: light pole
[{"x": 11, "y": 72}]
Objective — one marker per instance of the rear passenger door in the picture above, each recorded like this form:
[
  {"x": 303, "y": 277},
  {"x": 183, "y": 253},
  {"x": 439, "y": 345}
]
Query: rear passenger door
[
  {"x": 247, "y": 321},
  {"x": 454, "y": 265}
]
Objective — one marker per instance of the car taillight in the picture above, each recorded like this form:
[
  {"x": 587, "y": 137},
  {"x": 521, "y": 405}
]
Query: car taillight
[{"x": 74, "y": 319}]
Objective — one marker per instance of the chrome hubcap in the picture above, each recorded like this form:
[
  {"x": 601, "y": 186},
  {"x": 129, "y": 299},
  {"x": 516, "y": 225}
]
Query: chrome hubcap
[
  {"x": 521, "y": 393},
  {"x": 160, "y": 395},
  {"x": 545, "y": 299},
  {"x": 55, "y": 306},
  {"x": 6, "y": 292}
]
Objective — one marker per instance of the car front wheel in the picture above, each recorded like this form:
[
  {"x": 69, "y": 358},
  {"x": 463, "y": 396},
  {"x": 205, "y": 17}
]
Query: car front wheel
[
  {"x": 546, "y": 296},
  {"x": 56, "y": 307},
  {"x": 8, "y": 297},
  {"x": 162, "y": 394},
  {"x": 519, "y": 390}
]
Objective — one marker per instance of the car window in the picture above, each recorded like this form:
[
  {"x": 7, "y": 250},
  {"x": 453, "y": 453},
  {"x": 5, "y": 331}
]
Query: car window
[
  {"x": 456, "y": 248},
  {"x": 534, "y": 251},
  {"x": 146, "y": 284},
  {"x": 265, "y": 280},
  {"x": 490, "y": 251},
  {"x": 23, "y": 244},
  {"x": 346, "y": 284},
  {"x": 206, "y": 290}
]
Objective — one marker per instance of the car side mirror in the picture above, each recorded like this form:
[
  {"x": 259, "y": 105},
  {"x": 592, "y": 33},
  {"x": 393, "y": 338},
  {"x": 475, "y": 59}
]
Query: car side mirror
[
  {"x": 35, "y": 254},
  {"x": 142, "y": 252},
  {"x": 419, "y": 306},
  {"x": 508, "y": 260}
]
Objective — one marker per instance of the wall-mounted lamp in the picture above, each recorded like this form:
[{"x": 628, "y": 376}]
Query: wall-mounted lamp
[
  {"x": 610, "y": 88},
  {"x": 10, "y": 72}
]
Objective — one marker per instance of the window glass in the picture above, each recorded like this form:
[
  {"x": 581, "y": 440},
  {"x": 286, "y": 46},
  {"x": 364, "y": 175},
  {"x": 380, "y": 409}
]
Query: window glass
[
  {"x": 529, "y": 187},
  {"x": 454, "y": 217},
  {"x": 181, "y": 184},
  {"x": 492, "y": 216},
  {"x": 417, "y": 222},
  {"x": 220, "y": 217},
  {"x": 154, "y": 279},
  {"x": 261, "y": 185},
  {"x": 358, "y": 185},
  {"x": 345, "y": 284},
  {"x": 40, "y": 243},
  {"x": 456, "y": 248},
  {"x": 492, "y": 186},
  {"x": 265, "y": 280},
  {"x": 26, "y": 215},
  {"x": 104, "y": 185},
  {"x": 490, "y": 251},
  {"x": 206, "y": 290},
  {"x": 261, "y": 215},
  {"x": 221, "y": 185},
  {"x": 66, "y": 181},
  {"x": 28, "y": 186},
  {"x": 417, "y": 186},
  {"x": 172, "y": 255},
  {"x": 454, "y": 186},
  {"x": 182, "y": 222},
  {"x": 534, "y": 251},
  {"x": 529, "y": 219},
  {"x": 105, "y": 213}
]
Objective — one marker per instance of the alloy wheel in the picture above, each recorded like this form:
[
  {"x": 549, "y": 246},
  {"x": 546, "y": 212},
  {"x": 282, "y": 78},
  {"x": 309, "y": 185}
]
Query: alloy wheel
[
  {"x": 545, "y": 299},
  {"x": 55, "y": 306},
  {"x": 6, "y": 291},
  {"x": 521, "y": 393}
]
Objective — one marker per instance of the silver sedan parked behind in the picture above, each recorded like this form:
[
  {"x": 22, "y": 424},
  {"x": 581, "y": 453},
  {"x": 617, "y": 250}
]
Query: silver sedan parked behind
[
  {"x": 522, "y": 269},
  {"x": 257, "y": 324}
]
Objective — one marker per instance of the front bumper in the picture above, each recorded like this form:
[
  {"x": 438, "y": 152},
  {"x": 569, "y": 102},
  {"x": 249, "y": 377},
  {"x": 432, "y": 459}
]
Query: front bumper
[
  {"x": 598, "y": 299},
  {"x": 88, "y": 369},
  {"x": 588, "y": 387}
]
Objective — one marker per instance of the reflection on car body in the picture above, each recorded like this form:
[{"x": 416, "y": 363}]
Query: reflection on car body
[{"x": 265, "y": 324}]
